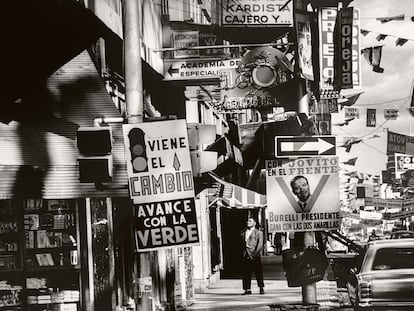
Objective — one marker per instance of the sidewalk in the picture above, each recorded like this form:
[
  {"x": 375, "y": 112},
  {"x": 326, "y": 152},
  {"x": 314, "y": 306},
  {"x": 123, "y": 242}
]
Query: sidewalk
[{"x": 226, "y": 295}]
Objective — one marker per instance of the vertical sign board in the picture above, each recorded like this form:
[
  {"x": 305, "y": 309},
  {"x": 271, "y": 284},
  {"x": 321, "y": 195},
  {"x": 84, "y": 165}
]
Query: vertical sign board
[
  {"x": 327, "y": 17},
  {"x": 343, "y": 49},
  {"x": 303, "y": 195},
  {"x": 161, "y": 184},
  {"x": 371, "y": 117},
  {"x": 257, "y": 12},
  {"x": 304, "y": 37},
  {"x": 183, "y": 39}
]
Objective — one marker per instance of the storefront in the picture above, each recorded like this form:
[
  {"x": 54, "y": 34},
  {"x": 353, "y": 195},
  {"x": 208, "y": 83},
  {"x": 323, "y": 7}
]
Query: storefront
[
  {"x": 57, "y": 245},
  {"x": 229, "y": 210}
]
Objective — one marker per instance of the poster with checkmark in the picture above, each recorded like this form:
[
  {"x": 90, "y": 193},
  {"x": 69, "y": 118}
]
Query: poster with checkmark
[{"x": 303, "y": 195}]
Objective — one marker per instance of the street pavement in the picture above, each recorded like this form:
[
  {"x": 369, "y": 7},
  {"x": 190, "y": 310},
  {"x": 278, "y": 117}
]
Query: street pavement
[{"x": 226, "y": 293}]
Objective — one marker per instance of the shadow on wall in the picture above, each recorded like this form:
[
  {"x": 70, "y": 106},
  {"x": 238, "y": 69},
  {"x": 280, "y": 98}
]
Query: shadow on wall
[{"x": 29, "y": 182}]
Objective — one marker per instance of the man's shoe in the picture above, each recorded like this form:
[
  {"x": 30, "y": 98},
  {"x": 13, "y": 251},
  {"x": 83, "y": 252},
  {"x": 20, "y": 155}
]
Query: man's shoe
[
  {"x": 261, "y": 291},
  {"x": 247, "y": 292}
]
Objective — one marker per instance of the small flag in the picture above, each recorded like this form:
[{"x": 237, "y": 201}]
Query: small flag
[
  {"x": 373, "y": 56},
  {"x": 400, "y": 41},
  {"x": 381, "y": 37},
  {"x": 391, "y": 18},
  {"x": 351, "y": 100},
  {"x": 350, "y": 161}
]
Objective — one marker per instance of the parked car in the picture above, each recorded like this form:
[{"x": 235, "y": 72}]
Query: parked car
[
  {"x": 385, "y": 279},
  {"x": 402, "y": 234}
]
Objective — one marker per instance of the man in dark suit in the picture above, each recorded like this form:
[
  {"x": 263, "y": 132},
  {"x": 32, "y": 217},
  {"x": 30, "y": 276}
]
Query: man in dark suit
[
  {"x": 252, "y": 244},
  {"x": 300, "y": 187}
]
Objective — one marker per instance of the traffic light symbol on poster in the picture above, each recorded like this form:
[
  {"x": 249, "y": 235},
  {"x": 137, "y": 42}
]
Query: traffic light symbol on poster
[{"x": 138, "y": 151}]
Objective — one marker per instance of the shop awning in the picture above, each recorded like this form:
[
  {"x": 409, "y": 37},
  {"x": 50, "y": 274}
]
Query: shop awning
[{"x": 234, "y": 196}]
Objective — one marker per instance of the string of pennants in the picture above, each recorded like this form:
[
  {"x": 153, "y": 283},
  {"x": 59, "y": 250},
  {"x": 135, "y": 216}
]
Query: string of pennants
[{"x": 373, "y": 54}]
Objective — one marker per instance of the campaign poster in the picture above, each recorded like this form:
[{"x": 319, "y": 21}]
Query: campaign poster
[
  {"x": 161, "y": 184},
  {"x": 303, "y": 195}
]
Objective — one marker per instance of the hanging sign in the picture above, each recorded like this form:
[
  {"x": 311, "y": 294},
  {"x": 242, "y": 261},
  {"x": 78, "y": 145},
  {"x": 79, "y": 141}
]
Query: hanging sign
[
  {"x": 304, "y": 37},
  {"x": 324, "y": 106},
  {"x": 303, "y": 195},
  {"x": 351, "y": 112},
  {"x": 257, "y": 12},
  {"x": 403, "y": 162},
  {"x": 235, "y": 104},
  {"x": 304, "y": 146},
  {"x": 399, "y": 143},
  {"x": 183, "y": 39},
  {"x": 197, "y": 69},
  {"x": 210, "y": 39},
  {"x": 327, "y": 18},
  {"x": 371, "y": 117},
  {"x": 390, "y": 114},
  {"x": 343, "y": 49},
  {"x": 161, "y": 184}
]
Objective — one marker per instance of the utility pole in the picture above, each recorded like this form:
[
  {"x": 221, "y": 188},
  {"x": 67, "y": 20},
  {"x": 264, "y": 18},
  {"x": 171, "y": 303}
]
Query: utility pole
[{"x": 134, "y": 113}]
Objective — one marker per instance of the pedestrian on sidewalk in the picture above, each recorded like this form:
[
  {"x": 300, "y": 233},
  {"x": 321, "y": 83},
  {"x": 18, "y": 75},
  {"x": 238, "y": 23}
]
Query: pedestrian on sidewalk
[
  {"x": 278, "y": 242},
  {"x": 252, "y": 244}
]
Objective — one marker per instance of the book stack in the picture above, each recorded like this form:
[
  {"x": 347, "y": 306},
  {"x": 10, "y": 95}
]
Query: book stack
[
  {"x": 44, "y": 299},
  {"x": 4, "y": 285},
  {"x": 45, "y": 260},
  {"x": 58, "y": 297},
  {"x": 70, "y": 295},
  {"x": 64, "y": 307},
  {"x": 35, "y": 283},
  {"x": 32, "y": 300}
]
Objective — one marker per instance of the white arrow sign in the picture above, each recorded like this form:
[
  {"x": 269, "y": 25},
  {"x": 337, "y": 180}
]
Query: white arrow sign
[
  {"x": 298, "y": 146},
  {"x": 320, "y": 145}
]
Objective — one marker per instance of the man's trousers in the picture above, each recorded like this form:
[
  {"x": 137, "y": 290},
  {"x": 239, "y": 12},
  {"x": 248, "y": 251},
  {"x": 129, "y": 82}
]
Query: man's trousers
[{"x": 248, "y": 266}]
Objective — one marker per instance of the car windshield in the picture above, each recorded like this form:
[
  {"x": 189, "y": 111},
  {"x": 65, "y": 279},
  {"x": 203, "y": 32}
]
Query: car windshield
[{"x": 394, "y": 258}]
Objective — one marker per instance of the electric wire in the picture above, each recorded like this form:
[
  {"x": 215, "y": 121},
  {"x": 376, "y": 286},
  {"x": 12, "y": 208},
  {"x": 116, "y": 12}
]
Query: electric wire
[{"x": 383, "y": 103}]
